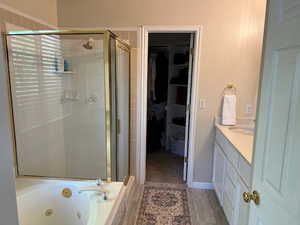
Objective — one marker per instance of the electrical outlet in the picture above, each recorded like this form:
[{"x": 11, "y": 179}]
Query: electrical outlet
[
  {"x": 202, "y": 103},
  {"x": 249, "y": 108}
]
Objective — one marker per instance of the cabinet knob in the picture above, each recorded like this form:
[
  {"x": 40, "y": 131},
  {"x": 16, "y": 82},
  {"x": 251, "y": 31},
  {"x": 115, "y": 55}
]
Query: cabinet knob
[{"x": 254, "y": 196}]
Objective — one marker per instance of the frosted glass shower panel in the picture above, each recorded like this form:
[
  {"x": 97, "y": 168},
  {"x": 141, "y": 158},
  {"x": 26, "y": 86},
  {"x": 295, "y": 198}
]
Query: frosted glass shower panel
[
  {"x": 123, "y": 100},
  {"x": 57, "y": 90}
]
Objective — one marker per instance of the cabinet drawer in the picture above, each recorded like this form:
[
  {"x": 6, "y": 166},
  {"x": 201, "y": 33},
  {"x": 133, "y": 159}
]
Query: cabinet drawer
[
  {"x": 230, "y": 152},
  {"x": 242, "y": 216},
  {"x": 228, "y": 210},
  {"x": 230, "y": 191},
  {"x": 231, "y": 173},
  {"x": 244, "y": 169},
  {"x": 219, "y": 172}
]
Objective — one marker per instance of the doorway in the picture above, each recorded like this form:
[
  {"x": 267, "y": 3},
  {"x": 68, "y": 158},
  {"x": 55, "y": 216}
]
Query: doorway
[{"x": 168, "y": 99}]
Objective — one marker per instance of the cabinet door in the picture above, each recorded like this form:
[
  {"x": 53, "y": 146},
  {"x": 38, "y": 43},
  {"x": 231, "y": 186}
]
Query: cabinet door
[
  {"x": 241, "y": 214},
  {"x": 219, "y": 168}
]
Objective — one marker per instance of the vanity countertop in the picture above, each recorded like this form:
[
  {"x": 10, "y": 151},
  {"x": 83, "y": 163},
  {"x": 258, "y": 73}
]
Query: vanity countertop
[{"x": 242, "y": 142}]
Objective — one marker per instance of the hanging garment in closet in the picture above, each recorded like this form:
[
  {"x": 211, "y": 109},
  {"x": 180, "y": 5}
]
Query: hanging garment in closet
[
  {"x": 161, "y": 80},
  {"x": 151, "y": 77}
]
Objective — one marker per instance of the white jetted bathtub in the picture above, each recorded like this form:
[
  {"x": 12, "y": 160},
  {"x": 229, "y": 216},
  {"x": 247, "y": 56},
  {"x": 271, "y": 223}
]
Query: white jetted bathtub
[{"x": 41, "y": 202}]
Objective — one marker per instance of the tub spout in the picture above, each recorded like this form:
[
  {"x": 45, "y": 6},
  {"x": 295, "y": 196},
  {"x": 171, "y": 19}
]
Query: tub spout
[{"x": 99, "y": 182}]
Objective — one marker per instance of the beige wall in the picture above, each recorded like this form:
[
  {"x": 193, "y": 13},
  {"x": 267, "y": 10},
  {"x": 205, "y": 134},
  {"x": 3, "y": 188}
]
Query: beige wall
[
  {"x": 44, "y": 10},
  {"x": 10, "y": 18},
  {"x": 231, "y": 48}
]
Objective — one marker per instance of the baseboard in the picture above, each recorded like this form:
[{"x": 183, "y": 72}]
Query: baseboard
[{"x": 201, "y": 185}]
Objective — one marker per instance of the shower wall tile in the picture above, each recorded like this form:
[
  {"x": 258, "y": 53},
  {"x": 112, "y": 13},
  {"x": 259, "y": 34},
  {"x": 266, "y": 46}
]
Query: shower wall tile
[{"x": 86, "y": 127}]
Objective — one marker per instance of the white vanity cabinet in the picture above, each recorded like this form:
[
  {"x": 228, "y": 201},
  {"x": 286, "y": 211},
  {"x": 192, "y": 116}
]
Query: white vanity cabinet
[
  {"x": 242, "y": 209},
  {"x": 219, "y": 160},
  {"x": 231, "y": 177}
]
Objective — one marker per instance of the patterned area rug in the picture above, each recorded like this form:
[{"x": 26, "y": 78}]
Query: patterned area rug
[{"x": 164, "y": 206}]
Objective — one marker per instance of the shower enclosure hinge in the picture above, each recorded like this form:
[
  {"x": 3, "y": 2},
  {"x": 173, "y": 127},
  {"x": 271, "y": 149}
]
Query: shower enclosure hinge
[
  {"x": 188, "y": 107},
  {"x": 185, "y": 159},
  {"x": 192, "y": 51},
  {"x": 118, "y": 126}
]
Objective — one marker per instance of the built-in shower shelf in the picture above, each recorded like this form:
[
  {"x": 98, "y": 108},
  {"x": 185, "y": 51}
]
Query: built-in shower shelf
[{"x": 65, "y": 72}]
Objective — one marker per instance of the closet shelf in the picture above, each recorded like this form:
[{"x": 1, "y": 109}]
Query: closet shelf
[
  {"x": 178, "y": 105},
  {"x": 179, "y": 85},
  {"x": 178, "y": 126},
  {"x": 181, "y": 65}
]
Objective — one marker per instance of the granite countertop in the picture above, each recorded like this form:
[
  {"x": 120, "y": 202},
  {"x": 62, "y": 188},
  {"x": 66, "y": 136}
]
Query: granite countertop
[{"x": 242, "y": 142}]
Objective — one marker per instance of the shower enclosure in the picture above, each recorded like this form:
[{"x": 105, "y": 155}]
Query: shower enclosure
[{"x": 69, "y": 93}]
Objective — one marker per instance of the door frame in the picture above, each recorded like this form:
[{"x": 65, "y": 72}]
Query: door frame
[{"x": 143, "y": 33}]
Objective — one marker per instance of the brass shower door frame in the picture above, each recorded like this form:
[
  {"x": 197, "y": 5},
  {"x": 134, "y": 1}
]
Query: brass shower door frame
[
  {"x": 124, "y": 46},
  {"x": 108, "y": 35}
]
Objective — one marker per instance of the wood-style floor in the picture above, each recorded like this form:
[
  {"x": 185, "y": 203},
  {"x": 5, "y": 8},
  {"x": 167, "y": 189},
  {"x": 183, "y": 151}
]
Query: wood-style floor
[
  {"x": 204, "y": 206},
  {"x": 164, "y": 167}
]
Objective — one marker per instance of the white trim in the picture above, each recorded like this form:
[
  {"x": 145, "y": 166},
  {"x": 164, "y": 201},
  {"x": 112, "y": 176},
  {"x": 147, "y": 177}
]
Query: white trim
[
  {"x": 18, "y": 12},
  {"x": 204, "y": 186},
  {"x": 142, "y": 96}
]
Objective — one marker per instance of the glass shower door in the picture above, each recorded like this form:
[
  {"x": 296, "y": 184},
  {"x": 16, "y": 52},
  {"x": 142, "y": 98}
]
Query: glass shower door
[
  {"x": 123, "y": 110},
  {"x": 58, "y": 97}
]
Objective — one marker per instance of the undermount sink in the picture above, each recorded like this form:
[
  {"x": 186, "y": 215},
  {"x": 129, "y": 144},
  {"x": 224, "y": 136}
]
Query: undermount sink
[{"x": 243, "y": 130}]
